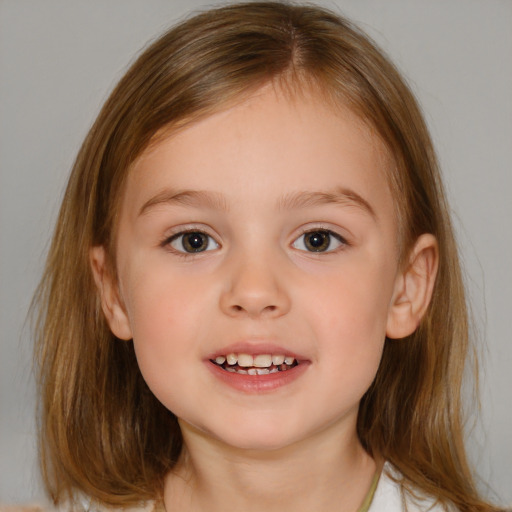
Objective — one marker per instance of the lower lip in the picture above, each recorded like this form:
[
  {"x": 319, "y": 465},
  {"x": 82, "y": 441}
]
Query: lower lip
[{"x": 257, "y": 384}]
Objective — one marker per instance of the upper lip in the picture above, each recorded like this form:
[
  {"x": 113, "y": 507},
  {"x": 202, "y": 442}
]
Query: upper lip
[{"x": 255, "y": 348}]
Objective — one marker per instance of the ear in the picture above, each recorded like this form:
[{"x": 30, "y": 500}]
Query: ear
[
  {"x": 413, "y": 288},
  {"x": 112, "y": 306}
]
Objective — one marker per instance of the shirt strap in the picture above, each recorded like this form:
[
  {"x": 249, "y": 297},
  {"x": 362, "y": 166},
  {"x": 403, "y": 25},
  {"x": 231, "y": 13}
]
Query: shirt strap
[{"x": 369, "y": 496}]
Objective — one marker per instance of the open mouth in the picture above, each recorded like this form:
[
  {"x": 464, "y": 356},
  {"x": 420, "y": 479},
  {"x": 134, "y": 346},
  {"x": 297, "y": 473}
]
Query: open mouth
[{"x": 261, "y": 364}]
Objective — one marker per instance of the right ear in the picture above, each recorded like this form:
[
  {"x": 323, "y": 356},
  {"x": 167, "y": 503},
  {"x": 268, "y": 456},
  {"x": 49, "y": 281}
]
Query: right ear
[{"x": 112, "y": 306}]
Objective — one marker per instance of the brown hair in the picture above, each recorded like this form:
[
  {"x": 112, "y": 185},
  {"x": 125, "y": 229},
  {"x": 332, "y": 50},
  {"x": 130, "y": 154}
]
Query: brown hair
[{"x": 102, "y": 432}]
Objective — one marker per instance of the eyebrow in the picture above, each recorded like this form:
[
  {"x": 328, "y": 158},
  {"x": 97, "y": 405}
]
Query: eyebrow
[
  {"x": 214, "y": 200},
  {"x": 341, "y": 196}
]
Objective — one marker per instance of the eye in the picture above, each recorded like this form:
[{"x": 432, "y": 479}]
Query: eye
[
  {"x": 192, "y": 242},
  {"x": 318, "y": 240}
]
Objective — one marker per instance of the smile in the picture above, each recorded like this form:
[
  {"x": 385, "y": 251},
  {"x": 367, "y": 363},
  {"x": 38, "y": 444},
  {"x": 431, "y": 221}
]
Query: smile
[{"x": 261, "y": 364}]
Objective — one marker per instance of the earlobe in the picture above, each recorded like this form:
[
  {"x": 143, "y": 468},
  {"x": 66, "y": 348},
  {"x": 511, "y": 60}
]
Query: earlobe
[
  {"x": 413, "y": 288},
  {"x": 111, "y": 303}
]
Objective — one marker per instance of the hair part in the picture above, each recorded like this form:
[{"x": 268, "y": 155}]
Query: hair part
[{"x": 102, "y": 432}]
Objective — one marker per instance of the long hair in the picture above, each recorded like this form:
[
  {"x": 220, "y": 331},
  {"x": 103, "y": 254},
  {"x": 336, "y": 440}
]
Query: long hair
[{"x": 102, "y": 432}]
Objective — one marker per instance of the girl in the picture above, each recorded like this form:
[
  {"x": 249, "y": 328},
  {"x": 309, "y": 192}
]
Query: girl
[{"x": 253, "y": 298}]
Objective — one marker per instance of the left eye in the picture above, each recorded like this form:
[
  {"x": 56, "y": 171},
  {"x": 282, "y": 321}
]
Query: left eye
[
  {"x": 318, "y": 240},
  {"x": 192, "y": 242}
]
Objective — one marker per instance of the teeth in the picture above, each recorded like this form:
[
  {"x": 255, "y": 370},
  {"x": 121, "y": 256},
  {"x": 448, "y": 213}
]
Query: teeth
[
  {"x": 245, "y": 360},
  {"x": 262, "y": 361},
  {"x": 253, "y": 364},
  {"x": 277, "y": 360}
]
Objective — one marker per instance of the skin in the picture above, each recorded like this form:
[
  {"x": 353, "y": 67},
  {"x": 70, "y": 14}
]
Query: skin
[{"x": 292, "y": 447}]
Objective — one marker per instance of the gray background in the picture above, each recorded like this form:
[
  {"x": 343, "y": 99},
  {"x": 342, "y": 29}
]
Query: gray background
[{"x": 59, "y": 60}]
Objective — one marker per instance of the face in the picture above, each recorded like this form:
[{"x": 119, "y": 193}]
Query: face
[{"x": 257, "y": 264}]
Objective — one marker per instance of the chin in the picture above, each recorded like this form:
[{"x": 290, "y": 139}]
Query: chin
[
  {"x": 257, "y": 437},
  {"x": 259, "y": 444}
]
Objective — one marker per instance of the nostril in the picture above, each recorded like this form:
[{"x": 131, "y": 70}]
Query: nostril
[{"x": 238, "y": 309}]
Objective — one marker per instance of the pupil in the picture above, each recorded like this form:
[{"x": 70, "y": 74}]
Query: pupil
[
  {"x": 317, "y": 241},
  {"x": 194, "y": 242}
]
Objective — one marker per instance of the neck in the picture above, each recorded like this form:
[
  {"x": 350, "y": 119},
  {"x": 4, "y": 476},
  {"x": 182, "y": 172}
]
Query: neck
[{"x": 323, "y": 472}]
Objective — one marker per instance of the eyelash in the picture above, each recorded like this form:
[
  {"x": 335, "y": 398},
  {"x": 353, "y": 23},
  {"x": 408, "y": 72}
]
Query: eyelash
[
  {"x": 168, "y": 242},
  {"x": 331, "y": 234}
]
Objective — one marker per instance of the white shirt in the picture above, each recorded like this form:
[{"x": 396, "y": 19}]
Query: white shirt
[{"x": 389, "y": 497}]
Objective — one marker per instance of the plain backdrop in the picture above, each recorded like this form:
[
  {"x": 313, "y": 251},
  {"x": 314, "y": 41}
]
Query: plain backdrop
[{"x": 60, "y": 58}]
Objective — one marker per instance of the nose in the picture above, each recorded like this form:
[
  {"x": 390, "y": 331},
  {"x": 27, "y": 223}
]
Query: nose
[{"x": 254, "y": 288}]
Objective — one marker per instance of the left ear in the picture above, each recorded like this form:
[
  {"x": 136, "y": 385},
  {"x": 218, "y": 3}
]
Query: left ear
[{"x": 413, "y": 288}]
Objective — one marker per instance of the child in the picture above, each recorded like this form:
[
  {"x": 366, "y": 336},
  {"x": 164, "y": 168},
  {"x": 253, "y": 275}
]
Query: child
[{"x": 253, "y": 299}]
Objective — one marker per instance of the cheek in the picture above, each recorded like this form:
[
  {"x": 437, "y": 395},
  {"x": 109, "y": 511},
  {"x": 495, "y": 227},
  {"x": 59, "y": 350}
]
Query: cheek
[
  {"x": 165, "y": 339},
  {"x": 160, "y": 300},
  {"x": 356, "y": 300},
  {"x": 350, "y": 321},
  {"x": 163, "y": 311}
]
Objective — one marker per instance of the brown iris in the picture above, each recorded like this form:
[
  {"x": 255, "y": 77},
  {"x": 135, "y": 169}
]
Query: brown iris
[
  {"x": 194, "y": 242},
  {"x": 317, "y": 241}
]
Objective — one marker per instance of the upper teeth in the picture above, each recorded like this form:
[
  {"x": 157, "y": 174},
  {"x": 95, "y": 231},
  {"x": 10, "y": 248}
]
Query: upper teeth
[{"x": 257, "y": 361}]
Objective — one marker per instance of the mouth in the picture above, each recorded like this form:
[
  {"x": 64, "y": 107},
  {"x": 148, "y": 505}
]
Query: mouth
[{"x": 259, "y": 364}]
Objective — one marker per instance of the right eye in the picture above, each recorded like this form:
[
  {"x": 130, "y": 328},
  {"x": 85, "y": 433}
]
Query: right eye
[{"x": 192, "y": 242}]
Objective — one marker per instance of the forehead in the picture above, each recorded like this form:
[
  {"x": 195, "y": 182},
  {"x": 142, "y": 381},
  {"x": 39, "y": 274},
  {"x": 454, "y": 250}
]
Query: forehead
[{"x": 289, "y": 142}]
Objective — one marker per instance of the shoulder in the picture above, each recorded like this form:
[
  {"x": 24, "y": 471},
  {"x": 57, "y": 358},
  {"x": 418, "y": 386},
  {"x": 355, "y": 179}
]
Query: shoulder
[
  {"x": 391, "y": 497},
  {"x": 148, "y": 506},
  {"x": 21, "y": 508},
  {"x": 83, "y": 506}
]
